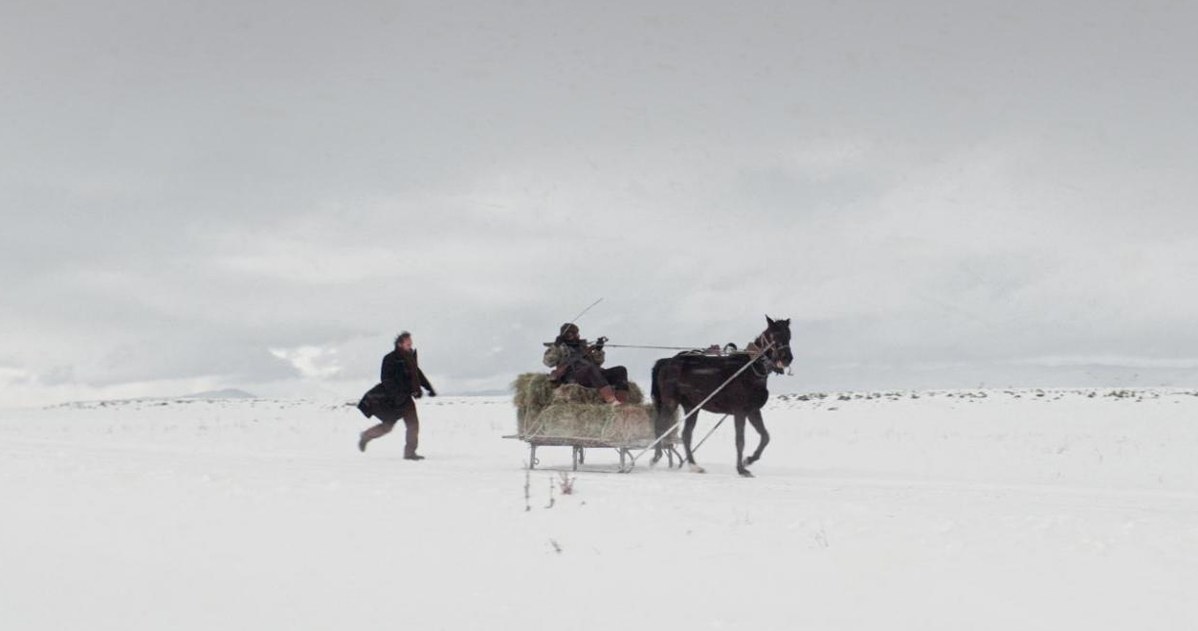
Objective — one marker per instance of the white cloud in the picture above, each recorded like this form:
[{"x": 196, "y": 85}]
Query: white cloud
[
  {"x": 15, "y": 376},
  {"x": 312, "y": 362}
]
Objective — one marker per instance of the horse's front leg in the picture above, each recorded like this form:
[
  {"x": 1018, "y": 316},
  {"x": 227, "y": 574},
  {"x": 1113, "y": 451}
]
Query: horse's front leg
[
  {"x": 688, "y": 430},
  {"x": 759, "y": 425},
  {"x": 739, "y": 421}
]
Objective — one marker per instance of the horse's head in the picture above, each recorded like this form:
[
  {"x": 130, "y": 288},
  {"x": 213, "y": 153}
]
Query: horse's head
[{"x": 776, "y": 339}]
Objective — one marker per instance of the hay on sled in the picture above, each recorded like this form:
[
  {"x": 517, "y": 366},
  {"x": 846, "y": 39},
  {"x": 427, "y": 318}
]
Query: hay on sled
[
  {"x": 534, "y": 392},
  {"x": 589, "y": 424}
]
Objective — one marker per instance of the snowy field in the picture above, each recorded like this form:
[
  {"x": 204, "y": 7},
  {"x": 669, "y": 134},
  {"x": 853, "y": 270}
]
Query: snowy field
[{"x": 950, "y": 510}]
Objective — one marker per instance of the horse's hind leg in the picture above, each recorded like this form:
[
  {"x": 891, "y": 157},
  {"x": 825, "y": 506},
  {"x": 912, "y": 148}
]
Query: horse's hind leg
[
  {"x": 759, "y": 425},
  {"x": 665, "y": 408},
  {"x": 688, "y": 430},
  {"x": 667, "y": 451},
  {"x": 662, "y": 423},
  {"x": 739, "y": 421}
]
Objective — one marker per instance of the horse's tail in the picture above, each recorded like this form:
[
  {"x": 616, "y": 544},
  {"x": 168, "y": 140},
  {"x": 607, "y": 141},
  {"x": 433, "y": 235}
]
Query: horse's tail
[
  {"x": 654, "y": 388},
  {"x": 665, "y": 408}
]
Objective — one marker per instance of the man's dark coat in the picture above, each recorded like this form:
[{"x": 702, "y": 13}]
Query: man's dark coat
[{"x": 400, "y": 379}]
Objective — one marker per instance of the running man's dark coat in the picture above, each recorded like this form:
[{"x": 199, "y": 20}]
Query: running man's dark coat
[{"x": 400, "y": 380}]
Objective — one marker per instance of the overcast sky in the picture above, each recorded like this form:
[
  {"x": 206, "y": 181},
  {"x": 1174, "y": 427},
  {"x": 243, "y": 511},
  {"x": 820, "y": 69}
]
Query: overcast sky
[{"x": 259, "y": 195}]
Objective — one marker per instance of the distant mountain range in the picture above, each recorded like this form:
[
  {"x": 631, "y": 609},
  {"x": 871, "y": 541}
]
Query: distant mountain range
[{"x": 227, "y": 393}]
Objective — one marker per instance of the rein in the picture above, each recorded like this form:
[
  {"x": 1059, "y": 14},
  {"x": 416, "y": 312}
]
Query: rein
[{"x": 655, "y": 348}]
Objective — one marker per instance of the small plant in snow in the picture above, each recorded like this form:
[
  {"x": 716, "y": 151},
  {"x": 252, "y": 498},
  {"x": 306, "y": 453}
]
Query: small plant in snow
[
  {"x": 527, "y": 487},
  {"x": 566, "y": 483},
  {"x": 551, "y": 501}
]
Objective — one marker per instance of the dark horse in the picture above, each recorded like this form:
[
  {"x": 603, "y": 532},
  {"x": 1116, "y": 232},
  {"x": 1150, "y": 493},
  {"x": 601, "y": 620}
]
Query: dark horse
[{"x": 688, "y": 378}]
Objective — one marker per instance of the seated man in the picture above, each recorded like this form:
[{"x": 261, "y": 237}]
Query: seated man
[{"x": 573, "y": 360}]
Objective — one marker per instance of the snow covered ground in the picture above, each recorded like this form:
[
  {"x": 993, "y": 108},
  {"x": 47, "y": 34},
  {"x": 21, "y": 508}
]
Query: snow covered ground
[{"x": 952, "y": 510}]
